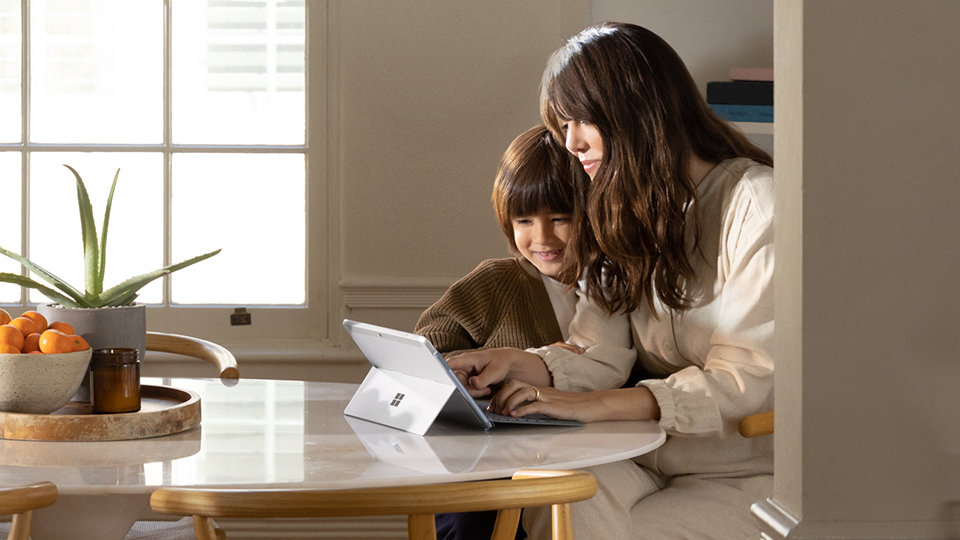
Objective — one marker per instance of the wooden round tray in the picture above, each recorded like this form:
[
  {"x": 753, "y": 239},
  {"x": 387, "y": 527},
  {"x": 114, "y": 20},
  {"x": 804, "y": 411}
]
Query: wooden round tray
[{"x": 163, "y": 410}]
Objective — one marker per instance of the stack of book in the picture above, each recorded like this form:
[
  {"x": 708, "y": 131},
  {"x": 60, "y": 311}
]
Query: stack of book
[{"x": 746, "y": 97}]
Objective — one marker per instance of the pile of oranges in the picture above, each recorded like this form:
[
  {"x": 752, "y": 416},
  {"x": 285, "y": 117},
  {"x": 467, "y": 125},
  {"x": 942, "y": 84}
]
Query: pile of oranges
[{"x": 30, "y": 333}]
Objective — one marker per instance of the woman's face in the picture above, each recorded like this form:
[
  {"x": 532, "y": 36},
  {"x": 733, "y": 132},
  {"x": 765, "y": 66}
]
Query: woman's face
[{"x": 583, "y": 140}]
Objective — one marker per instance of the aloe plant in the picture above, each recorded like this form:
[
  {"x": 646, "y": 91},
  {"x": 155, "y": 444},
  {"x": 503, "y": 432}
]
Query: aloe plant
[{"x": 94, "y": 262}]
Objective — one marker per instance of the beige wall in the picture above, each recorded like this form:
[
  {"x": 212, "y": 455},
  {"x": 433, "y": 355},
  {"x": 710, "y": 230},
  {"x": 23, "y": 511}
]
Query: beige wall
[
  {"x": 868, "y": 305},
  {"x": 425, "y": 95},
  {"x": 425, "y": 105}
]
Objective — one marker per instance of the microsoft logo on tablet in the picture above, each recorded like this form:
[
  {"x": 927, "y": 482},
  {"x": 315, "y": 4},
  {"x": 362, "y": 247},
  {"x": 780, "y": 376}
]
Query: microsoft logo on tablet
[{"x": 397, "y": 399}]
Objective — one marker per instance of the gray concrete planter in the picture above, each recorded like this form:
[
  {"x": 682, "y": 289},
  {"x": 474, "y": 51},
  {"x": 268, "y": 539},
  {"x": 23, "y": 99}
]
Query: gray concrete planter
[{"x": 108, "y": 327}]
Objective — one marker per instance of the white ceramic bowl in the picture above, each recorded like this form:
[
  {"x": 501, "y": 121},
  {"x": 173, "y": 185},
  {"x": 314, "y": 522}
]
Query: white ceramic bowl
[{"x": 40, "y": 383}]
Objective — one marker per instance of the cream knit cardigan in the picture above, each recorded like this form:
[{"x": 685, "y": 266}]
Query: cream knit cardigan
[{"x": 712, "y": 364}]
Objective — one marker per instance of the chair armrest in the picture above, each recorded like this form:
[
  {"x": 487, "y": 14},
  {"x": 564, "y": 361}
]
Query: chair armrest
[
  {"x": 756, "y": 425},
  {"x": 198, "y": 348}
]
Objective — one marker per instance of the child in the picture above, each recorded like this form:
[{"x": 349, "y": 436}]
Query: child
[{"x": 516, "y": 302}]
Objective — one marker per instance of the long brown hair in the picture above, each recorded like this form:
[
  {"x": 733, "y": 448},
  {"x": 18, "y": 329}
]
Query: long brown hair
[{"x": 631, "y": 85}]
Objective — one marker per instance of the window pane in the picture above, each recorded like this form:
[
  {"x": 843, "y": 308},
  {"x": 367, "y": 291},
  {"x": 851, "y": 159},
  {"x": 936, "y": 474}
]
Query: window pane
[
  {"x": 253, "y": 207},
  {"x": 9, "y": 221},
  {"x": 10, "y": 70},
  {"x": 135, "y": 236},
  {"x": 238, "y": 71},
  {"x": 97, "y": 71}
]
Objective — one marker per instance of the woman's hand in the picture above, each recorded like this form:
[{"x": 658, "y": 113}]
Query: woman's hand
[
  {"x": 487, "y": 368},
  {"x": 518, "y": 398}
]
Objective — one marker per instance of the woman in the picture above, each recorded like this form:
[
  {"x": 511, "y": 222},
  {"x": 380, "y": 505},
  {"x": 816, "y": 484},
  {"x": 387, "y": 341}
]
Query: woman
[{"x": 679, "y": 234}]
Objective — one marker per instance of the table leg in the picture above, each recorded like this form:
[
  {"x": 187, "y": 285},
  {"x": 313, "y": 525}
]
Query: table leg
[{"x": 88, "y": 517}]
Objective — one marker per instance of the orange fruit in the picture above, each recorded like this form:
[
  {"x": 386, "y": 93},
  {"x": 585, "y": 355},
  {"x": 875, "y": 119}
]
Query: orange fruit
[
  {"x": 62, "y": 326},
  {"x": 4, "y": 316},
  {"x": 11, "y": 336},
  {"x": 36, "y": 317},
  {"x": 55, "y": 341},
  {"x": 8, "y": 349},
  {"x": 79, "y": 344},
  {"x": 24, "y": 325},
  {"x": 31, "y": 343}
]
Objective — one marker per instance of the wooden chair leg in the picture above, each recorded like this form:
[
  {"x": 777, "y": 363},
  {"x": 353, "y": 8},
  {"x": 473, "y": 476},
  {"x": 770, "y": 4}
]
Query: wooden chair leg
[
  {"x": 20, "y": 526},
  {"x": 562, "y": 523},
  {"x": 421, "y": 527},
  {"x": 203, "y": 528},
  {"x": 505, "y": 528}
]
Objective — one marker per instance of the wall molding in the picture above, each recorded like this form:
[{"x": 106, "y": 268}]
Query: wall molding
[{"x": 392, "y": 293}]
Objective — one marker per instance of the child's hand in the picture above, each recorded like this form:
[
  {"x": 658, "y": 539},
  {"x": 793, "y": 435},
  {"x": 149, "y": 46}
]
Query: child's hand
[
  {"x": 486, "y": 369},
  {"x": 462, "y": 376}
]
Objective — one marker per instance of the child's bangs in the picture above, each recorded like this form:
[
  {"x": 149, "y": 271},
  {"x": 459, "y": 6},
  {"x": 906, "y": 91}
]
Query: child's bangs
[{"x": 548, "y": 192}]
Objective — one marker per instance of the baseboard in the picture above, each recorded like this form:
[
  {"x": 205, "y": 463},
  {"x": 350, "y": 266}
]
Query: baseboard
[
  {"x": 775, "y": 522},
  {"x": 778, "y": 524}
]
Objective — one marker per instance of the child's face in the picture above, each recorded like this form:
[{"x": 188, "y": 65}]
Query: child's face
[{"x": 542, "y": 239}]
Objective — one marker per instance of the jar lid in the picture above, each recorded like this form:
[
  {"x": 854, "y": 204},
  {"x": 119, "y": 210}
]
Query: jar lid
[{"x": 113, "y": 357}]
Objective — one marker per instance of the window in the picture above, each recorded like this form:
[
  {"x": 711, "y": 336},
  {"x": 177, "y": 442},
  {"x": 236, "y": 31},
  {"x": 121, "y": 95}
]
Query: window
[{"x": 201, "y": 105}]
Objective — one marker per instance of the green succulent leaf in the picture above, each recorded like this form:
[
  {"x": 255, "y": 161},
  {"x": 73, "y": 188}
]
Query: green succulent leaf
[
  {"x": 102, "y": 264},
  {"x": 136, "y": 283},
  {"x": 123, "y": 301},
  {"x": 94, "y": 259},
  {"x": 45, "y": 275},
  {"x": 88, "y": 230},
  {"x": 53, "y": 295}
]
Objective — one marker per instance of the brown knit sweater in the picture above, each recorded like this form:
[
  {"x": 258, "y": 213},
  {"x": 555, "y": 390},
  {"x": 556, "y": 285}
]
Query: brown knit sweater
[{"x": 501, "y": 303}]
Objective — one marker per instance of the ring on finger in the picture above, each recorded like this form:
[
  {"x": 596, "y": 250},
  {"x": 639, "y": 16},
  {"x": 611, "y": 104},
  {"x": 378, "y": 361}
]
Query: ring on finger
[{"x": 536, "y": 395}]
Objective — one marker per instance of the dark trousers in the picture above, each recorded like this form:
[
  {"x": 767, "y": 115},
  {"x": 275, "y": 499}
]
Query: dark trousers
[{"x": 469, "y": 526}]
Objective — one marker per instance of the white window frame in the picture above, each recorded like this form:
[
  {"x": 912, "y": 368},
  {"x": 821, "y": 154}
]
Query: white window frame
[{"x": 287, "y": 332}]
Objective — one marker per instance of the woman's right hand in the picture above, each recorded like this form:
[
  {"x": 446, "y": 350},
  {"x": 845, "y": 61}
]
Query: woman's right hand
[{"x": 487, "y": 368}]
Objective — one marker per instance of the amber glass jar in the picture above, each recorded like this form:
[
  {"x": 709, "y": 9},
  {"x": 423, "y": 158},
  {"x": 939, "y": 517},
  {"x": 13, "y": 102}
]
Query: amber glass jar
[{"x": 115, "y": 380}]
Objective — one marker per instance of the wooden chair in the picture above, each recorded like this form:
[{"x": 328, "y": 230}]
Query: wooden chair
[
  {"x": 527, "y": 488},
  {"x": 756, "y": 425},
  {"x": 196, "y": 347},
  {"x": 227, "y": 366},
  {"x": 21, "y": 501}
]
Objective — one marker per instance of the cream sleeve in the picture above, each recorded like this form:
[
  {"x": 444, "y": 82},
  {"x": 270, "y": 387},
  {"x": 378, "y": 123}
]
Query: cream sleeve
[
  {"x": 736, "y": 377},
  {"x": 608, "y": 353}
]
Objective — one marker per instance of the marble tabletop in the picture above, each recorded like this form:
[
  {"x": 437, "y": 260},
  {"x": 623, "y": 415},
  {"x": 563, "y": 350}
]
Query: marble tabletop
[{"x": 262, "y": 433}]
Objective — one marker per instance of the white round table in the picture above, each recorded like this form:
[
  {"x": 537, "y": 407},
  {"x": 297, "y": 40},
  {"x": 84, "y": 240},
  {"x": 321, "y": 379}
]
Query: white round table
[{"x": 293, "y": 435}]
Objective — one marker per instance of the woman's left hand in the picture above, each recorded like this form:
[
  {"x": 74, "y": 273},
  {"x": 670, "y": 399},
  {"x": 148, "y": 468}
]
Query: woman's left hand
[{"x": 518, "y": 398}]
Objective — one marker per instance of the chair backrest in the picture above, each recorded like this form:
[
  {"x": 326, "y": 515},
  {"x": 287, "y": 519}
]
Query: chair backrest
[
  {"x": 527, "y": 488},
  {"x": 198, "y": 348},
  {"x": 756, "y": 425},
  {"x": 20, "y": 501}
]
